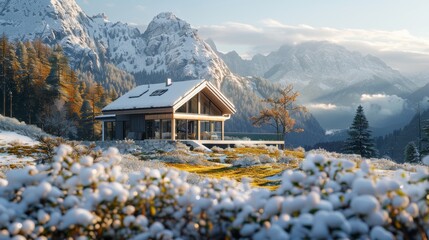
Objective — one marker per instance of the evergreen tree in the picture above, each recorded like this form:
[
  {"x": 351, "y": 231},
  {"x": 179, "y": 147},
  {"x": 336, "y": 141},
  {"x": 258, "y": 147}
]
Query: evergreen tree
[
  {"x": 360, "y": 140},
  {"x": 425, "y": 150},
  {"x": 411, "y": 153},
  {"x": 86, "y": 124}
]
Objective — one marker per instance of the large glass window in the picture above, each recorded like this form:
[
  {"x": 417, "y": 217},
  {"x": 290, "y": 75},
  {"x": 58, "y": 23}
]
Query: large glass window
[
  {"x": 208, "y": 107},
  {"x": 211, "y": 130},
  {"x": 126, "y": 129},
  {"x": 109, "y": 131},
  {"x": 186, "y": 129},
  {"x": 182, "y": 109},
  {"x": 193, "y": 105},
  {"x": 166, "y": 129},
  {"x": 153, "y": 129}
]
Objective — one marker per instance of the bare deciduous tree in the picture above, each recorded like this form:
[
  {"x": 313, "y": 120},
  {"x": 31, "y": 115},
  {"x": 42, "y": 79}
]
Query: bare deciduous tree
[{"x": 279, "y": 110}]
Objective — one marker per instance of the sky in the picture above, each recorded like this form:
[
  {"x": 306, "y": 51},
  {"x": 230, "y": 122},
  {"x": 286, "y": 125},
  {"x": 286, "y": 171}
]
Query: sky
[{"x": 397, "y": 31}]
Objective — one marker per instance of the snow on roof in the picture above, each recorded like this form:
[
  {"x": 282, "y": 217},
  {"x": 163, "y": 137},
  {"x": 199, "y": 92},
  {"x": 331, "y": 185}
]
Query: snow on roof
[{"x": 153, "y": 95}]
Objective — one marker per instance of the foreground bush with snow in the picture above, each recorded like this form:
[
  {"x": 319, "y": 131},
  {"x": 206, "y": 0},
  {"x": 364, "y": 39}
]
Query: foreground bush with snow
[{"x": 91, "y": 197}]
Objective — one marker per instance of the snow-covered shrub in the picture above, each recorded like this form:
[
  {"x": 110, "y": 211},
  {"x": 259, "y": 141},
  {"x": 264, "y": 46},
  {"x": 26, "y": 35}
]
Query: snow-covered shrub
[
  {"x": 261, "y": 146},
  {"x": 239, "y": 145},
  {"x": 425, "y": 160},
  {"x": 180, "y": 157},
  {"x": 246, "y": 161},
  {"x": 201, "y": 149},
  {"x": 229, "y": 150},
  {"x": 217, "y": 149},
  {"x": 326, "y": 198},
  {"x": 131, "y": 163},
  {"x": 289, "y": 160},
  {"x": 299, "y": 149},
  {"x": 264, "y": 158},
  {"x": 12, "y": 124}
]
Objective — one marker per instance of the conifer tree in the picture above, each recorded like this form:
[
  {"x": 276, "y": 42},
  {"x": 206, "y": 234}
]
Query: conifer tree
[
  {"x": 360, "y": 140},
  {"x": 411, "y": 153},
  {"x": 86, "y": 124},
  {"x": 425, "y": 151}
]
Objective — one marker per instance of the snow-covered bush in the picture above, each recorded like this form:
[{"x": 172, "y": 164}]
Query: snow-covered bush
[
  {"x": 264, "y": 158},
  {"x": 82, "y": 196},
  {"x": 201, "y": 149},
  {"x": 425, "y": 160},
  {"x": 299, "y": 149},
  {"x": 181, "y": 157},
  {"x": 289, "y": 160},
  {"x": 217, "y": 149},
  {"x": 261, "y": 146},
  {"x": 246, "y": 161},
  {"x": 239, "y": 145},
  {"x": 12, "y": 124}
]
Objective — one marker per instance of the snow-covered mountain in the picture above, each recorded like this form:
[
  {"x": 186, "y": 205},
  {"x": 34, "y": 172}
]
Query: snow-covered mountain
[
  {"x": 323, "y": 70},
  {"x": 169, "y": 47},
  {"x": 169, "y": 44}
]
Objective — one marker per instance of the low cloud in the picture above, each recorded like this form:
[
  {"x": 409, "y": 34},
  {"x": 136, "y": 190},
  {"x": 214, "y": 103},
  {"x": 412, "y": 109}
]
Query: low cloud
[
  {"x": 381, "y": 106},
  {"x": 321, "y": 106},
  {"x": 400, "y": 49}
]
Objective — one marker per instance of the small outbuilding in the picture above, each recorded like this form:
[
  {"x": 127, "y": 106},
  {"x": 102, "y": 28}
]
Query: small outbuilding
[{"x": 186, "y": 110}]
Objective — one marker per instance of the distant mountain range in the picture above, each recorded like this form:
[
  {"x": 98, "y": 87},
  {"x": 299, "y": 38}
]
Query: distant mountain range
[
  {"x": 169, "y": 47},
  {"x": 120, "y": 56},
  {"x": 322, "y": 70},
  {"x": 334, "y": 80}
]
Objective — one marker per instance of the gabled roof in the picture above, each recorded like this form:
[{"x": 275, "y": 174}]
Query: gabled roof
[{"x": 162, "y": 96}]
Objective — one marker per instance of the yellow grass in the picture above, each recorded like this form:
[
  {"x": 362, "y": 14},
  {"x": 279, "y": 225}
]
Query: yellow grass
[
  {"x": 257, "y": 174},
  {"x": 255, "y": 151}
]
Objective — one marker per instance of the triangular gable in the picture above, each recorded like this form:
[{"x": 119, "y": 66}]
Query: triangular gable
[{"x": 212, "y": 93}]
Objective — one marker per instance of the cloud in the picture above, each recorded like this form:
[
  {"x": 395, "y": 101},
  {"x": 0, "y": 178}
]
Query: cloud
[
  {"x": 321, "y": 106},
  {"x": 370, "y": 97},
  {"x": 400, "y": 49},
  {"x": 382, "y": 106}
]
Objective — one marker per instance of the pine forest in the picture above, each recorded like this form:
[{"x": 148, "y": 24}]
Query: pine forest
[{"x": 39, "y": 87}]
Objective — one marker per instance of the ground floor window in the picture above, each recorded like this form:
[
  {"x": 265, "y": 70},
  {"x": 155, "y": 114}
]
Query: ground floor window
[
  {"x": 186, "y": 129},
  {"x": 211, "y": 130},
  {"x": 152, "y": 129},
  {"x": 158, "y": 129},
  {"x": 109, "y": 131},
  {"x": 166, "y": 129}
]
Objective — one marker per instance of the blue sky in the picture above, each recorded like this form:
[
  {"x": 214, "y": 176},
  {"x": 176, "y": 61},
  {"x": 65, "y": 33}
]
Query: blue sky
[{"x": 396, "y": 31}]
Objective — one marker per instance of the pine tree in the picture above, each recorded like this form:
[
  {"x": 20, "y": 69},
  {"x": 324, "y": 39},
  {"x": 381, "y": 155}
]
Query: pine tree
[
  {"x": 425, "y": 151},
  {"x": 411, "y": 153},
  {"x": 360, "y": 140},
  {"x": 86, "y": 124}
]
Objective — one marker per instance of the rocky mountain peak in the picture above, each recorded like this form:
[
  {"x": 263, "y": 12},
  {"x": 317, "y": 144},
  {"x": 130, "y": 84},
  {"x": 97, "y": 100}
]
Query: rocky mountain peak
[{"x": 167, "y": 23}]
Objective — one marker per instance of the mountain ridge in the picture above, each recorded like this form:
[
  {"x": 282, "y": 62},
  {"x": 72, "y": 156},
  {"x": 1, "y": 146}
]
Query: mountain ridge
[{"x": 169, "y": 47}]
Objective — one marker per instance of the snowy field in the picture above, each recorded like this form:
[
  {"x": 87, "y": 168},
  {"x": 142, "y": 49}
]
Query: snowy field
[
  {"x": 9, "y": 139},
  {"x": 92, "y": 197},
  {"x": 102, "y": 192}
]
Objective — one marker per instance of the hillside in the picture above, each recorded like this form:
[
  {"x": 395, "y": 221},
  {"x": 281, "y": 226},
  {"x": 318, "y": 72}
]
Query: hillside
[{"x": 393, "y": 145}]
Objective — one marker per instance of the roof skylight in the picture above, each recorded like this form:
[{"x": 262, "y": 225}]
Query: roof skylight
[
  {"x": 137, "y": 96},
  {"x": 158, "y": 92}
]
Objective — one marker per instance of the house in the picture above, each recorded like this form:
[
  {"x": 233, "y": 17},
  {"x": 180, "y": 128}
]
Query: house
[{"x": 186, "y": 110}]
